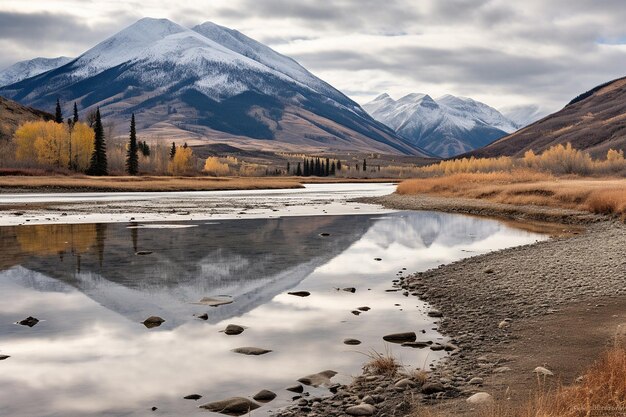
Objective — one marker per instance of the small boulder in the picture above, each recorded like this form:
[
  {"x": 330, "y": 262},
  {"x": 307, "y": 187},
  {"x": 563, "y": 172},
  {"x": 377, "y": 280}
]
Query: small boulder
[
  {"x": 476, "y": 381},
  {"x": 29, "y": 321},
  {"x": 236, "y": 406},
  {"x": 3, "y": 357},
  {"x": 400, "y": 337},
  {"x": 350, "y": 289},
  {"x": 432, "y": 388},
  {"x": 324, "y": 234},
  {"x": 378, "y": 259},
  {"x": 352, "y": 342},
  {"x": 480, "y": 398},
  {"x": 153, "y": 321},
  {"x": 233, "y": 330},
  {"x": 204, "y": 316},
  {"x": 143, "y": 253},
  {"x": 540, "y": 370},
  {"x": 296, "y": 388},
  {"x": 253, "y": 351},
  {"x": 356, "y": 312},
  {"x": 321, "y": 378},
  {"x": 264, "y": 396},
  {"x": 300, "y": 293},
  {"x": 361, "y": 410},
  {"x": 194, "y": 397},
  {"x": 435, "y": 313},
  {"x": 364, "y": 308},
  {"x": 405, "y": 382}
]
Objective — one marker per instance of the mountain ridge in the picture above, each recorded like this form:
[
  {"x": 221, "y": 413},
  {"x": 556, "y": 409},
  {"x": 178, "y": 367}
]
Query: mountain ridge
[
  {"x": 446, "y": 126},
  {"x": 594, "y": 121},
  {"x": 180, "y": 81}
]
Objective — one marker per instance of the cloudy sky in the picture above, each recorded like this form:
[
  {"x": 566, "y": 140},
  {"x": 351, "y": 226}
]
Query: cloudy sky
[{"x": 498, "y": 51}]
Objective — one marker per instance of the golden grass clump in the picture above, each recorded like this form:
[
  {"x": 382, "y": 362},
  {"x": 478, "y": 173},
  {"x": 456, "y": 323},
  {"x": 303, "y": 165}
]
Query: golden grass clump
[{"x": 382, "y": 364}]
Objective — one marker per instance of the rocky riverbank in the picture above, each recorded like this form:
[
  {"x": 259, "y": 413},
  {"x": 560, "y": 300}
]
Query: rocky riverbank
[{"x": 547, "y": 308}]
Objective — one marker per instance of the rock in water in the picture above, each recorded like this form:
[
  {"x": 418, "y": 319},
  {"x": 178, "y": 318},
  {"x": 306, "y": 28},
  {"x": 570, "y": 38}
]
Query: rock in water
[
  {"x": 321, "y": 378},
  {"x": 204, "y": 316},
  {"x": 143, "y": 253},
  {"x": 29, "y": 321},
  {"x": 352, "y": 342},
  {"x": 233, "y": 330},
  {"x": 480, "y": 398},
  {"x": 435, "y": 313},
  {"x": 400, "y": 337},
  {"x": 153, "y": 321},
  {"x": 296, "y": 388},
  {"x": 194, "y": 397},
  {"x": 361, "y": 410},
  {"x": 216, "y": 301},
  {"x": 264, "y": 396},
  {"x": 350, "y": 289},
  {"x": 254, "y": 351},
  {"x": 300, "y": 293},
  {"x": 236, "y": 406},
  {"x": 417, "y": 345},
  {"x": 3, "y": 357}
]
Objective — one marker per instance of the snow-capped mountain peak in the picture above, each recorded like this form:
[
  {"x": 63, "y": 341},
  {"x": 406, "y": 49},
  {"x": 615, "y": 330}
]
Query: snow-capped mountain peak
[
  {"x": 209, "y": 81},
  {"x": 26, "y": 69},
  {"x": 447, "y": 126}
]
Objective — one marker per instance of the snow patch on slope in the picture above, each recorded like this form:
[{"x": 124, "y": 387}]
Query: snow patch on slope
[{"x": 26, "y": 69}]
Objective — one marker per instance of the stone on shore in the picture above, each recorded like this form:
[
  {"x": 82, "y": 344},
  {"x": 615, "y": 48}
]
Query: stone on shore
[
  {"x": 480, "y": 398},
  {"x": 236, "y": 406},
  {"x": 432, "y": 388},
  {"x": 361, "y": 410},
  {"x": 194, "y": 397},
  {"x": 3, "y": 357},
  {"x": 352, "y": 342},
  {"x": 264, "y": 396},
  {"x": 540, "y": 370},
  {"x": 320, "y": 378},
  {"x": 299, "y": 389}
]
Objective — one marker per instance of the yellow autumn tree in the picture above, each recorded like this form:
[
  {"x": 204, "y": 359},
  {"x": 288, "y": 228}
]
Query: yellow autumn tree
[
  {"x": 24, "y": 138},
  {"x": 213, "y": 166},
  {"x": 52, "y": 145},
  {"x": 182, "y": 163},
  {"x": 82, "y": 146}
]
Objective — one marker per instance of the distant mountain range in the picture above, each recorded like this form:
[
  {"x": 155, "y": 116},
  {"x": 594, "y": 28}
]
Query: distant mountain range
[
  {"x": 26, "y": 69},
  {"x": 210, "y": 83},
  {"x": 446, "y": 126},
  {"x": 594, "y": 121},
  {"x": 13, "y": 114}
]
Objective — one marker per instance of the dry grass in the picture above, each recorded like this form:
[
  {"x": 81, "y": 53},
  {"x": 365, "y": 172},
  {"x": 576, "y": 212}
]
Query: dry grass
[
  {"x": 528, "y": 187},
  {"x": 84, "y": 183},
  {"x": 382, "y": 364},
  {"x": 602, "y": 392}
]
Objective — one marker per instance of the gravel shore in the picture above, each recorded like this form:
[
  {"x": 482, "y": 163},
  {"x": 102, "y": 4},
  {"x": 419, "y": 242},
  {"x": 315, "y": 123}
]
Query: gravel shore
[{"x": 553, "y": 304}]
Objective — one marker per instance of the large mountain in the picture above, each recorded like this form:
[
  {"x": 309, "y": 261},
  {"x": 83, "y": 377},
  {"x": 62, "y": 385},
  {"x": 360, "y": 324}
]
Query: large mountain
[
  {"x": 209, "y": 83},
  {"x": 13, "y": 114},
  {"x": 26, "y": 69},
  {"x": 445, "y": 126},
  {"x": 594, "y": 121},
  {"x": 524, "y": 114}
]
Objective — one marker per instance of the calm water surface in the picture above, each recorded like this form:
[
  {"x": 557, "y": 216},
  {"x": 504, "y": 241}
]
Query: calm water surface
[{"x": 91, "y": 356}]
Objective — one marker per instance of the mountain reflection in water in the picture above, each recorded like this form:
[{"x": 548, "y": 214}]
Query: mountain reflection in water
[{"x": 91, "y": 356}]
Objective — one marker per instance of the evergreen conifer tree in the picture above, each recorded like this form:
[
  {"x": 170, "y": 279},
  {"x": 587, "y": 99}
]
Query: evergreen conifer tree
[
  {"x": 132, "y": 157},
  {"x": 298, "y": 170},
  {"x": 288, "y": 168},
  {"x": 333, "y": 169},
  {"x": 173, "y": 150},
  {"x": 364, "y": 165},
  {"x": 327, "y": 173},
  {"x": 58, "y": 114},
  {"x": 338, "y": 164},
  {"x": 98, "y": 163},
  {"x": 75, "y": 120}
]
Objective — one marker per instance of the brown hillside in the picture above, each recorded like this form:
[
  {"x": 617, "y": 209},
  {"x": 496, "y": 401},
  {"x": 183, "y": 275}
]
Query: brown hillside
[
  {"x": 13, "y": 114},
  {"x": 594, "y": 121}
]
